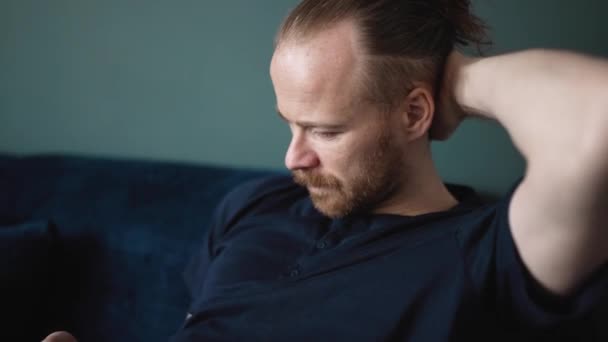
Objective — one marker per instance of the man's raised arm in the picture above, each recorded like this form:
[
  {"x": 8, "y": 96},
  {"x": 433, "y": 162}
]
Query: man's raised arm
[{"x": 554, "y": 105}]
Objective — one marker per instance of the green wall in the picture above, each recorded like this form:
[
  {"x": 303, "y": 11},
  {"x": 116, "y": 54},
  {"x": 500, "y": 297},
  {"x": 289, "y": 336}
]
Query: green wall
[{"x": 187, "y": 80}]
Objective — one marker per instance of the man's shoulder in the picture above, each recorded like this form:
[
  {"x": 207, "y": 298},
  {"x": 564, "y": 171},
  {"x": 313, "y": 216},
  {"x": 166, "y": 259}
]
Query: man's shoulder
[{"x": 479, "y": 215}]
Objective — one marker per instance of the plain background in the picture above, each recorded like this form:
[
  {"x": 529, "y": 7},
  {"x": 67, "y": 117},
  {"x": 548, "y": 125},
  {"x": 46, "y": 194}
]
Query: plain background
[{"x": 187, "y": 80}]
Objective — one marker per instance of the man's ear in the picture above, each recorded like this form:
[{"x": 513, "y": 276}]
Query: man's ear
[{"x": 418, "y": 112}]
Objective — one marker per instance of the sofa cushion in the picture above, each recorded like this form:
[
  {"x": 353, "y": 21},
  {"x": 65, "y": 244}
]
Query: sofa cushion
[{"x": 25, "y": 269}]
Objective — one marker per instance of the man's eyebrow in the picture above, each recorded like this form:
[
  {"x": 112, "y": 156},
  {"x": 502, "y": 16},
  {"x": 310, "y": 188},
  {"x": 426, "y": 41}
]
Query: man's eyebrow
[{"x": 310, "y": 124}]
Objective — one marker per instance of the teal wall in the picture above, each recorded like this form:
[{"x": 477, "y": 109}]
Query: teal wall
[{"x": 187, "y": 80}]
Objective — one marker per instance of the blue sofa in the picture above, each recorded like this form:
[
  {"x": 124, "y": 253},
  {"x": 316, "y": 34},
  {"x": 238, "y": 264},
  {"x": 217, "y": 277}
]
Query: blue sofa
[{"x": 97, "y": 246}]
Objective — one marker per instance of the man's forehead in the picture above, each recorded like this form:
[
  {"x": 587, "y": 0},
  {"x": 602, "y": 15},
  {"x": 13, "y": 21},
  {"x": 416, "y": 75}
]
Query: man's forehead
[
  {"x": 338, "y": 40},
  {"x": 316, "y": 80},
  {"x": 314, "y": 63}
]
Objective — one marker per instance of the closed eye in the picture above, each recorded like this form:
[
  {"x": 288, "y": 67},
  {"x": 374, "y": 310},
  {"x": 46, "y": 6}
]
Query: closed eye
[{"x": 328, "y": 135}]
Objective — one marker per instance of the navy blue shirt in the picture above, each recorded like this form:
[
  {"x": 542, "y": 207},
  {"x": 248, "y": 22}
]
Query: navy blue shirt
[{"x": 272, "y": 268}]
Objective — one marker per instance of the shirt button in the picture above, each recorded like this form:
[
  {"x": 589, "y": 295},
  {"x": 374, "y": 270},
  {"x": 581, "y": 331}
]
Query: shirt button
[{"x": 322, "y": 244}]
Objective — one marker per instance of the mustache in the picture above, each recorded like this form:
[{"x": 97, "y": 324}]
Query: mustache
[{"x": 315, "y": 179}]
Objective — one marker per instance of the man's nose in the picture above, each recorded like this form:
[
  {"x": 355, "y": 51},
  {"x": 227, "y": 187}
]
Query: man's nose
[{"x": 299, "y": 155}]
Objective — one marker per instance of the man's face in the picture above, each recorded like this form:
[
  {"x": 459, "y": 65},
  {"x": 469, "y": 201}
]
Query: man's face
[{"x": 342, "y": 149}]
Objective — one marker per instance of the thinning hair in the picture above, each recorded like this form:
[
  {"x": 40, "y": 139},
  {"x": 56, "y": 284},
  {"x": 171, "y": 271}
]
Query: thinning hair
[{"x": 403, "y": 41}]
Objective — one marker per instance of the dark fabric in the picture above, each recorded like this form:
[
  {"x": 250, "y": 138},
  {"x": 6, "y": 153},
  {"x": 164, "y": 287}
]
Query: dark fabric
[
  {"x": 26, "y": 263},
  {"x": 126, "y": 230},
  {"x": 273, "y": 269}
]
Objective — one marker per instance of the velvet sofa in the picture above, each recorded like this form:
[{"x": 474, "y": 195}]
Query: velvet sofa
[{"x": 98, "y": 246}]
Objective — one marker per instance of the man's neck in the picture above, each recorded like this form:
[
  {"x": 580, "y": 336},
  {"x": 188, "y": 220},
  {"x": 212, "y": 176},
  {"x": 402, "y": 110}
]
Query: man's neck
[{"x": 421, "y": 192}]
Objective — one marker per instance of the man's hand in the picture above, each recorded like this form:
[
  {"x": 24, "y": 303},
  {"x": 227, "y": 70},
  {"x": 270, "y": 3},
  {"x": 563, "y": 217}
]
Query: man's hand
[{"x": 449, "y": 113}]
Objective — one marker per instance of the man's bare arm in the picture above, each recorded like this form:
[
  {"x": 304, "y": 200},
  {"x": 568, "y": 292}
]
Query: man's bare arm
[{"x": 554, "y": 105}]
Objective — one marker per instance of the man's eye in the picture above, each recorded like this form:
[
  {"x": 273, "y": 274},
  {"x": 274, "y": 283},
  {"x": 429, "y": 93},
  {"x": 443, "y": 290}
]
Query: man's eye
[{"x": 326, "y": 134}]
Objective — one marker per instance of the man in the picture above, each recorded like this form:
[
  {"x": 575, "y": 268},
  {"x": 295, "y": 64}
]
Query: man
[{"x": 368, "y": 244}]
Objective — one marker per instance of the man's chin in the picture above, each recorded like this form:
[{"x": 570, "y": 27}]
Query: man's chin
[
  {"x": 330, "y": 212},
  {"x": 328, "y": 206}
]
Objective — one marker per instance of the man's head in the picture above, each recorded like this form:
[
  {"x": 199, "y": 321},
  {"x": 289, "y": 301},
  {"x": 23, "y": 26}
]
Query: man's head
[{"x": 355, "y": 80}]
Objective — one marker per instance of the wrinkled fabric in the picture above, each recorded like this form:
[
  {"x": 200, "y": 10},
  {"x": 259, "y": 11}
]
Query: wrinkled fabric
[{"x": 273, "y": 269}]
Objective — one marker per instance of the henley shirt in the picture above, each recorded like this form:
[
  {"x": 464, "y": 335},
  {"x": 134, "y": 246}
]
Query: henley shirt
[{"x": 273, "y": 268}]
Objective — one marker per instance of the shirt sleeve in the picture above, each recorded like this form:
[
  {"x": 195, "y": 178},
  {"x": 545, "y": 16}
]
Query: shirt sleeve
[{"x": 509, "y": 290}]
